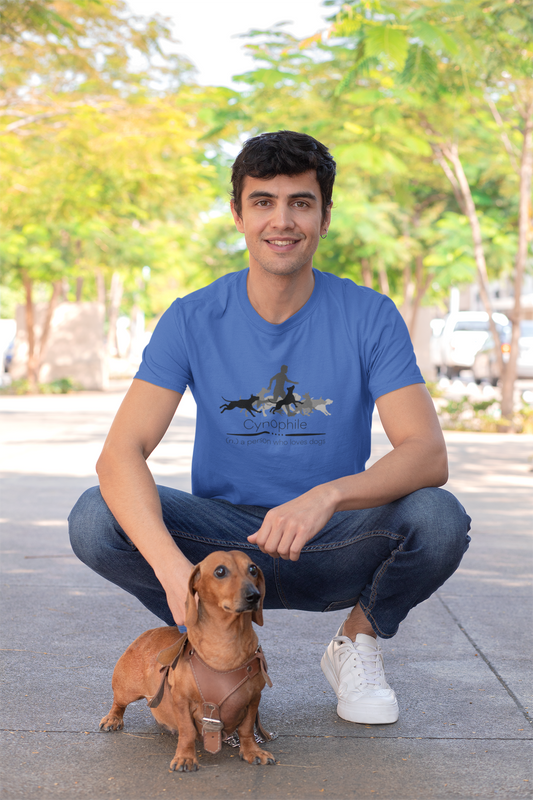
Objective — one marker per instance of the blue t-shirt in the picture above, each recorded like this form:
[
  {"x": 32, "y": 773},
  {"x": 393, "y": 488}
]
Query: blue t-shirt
[{"x": 280, "y": 408}]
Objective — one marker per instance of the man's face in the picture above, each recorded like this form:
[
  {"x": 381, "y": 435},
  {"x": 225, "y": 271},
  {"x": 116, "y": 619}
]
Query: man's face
[{"x": 282, "y": 222}]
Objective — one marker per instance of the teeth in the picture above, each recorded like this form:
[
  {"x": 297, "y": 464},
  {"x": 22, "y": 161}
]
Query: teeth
[{"x": 283, "y": 243}]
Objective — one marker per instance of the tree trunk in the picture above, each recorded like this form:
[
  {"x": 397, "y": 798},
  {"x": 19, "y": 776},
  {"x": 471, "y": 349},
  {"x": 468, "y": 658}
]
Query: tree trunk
[
  {"x": 421, "y": 288},
  {"x": 526, "y": 170},
  {"x": 79, "y": 289},
  {"x": 383, "y": 278},
  {"x": 408, "y": 287},
  {"x": 115, "y": 298},
  {"x": 452, "y": 155},
  {"x": 47, "y": 324},
  {"x": 36, "y": 349},
  {"x": 100, "y": 286},
  {"x": 366, "y": 271},
  {"x": 33, "y": 364}
]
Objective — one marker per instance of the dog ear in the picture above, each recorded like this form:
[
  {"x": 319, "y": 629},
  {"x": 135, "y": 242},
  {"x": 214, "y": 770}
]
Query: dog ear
[
  {"x": 257, "y": 616},
  {"x": 191, "y": 609}
]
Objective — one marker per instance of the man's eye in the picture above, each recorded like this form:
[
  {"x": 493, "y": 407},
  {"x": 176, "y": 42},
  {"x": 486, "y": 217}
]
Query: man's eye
[
  {"x": 220, "y": 572},
  {"x": 252, "y": 569}
]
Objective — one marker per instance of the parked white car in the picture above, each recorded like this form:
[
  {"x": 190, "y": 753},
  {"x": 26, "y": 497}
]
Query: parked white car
[
  {"x": 457, "y": 338},
  {"x": 486, "y": 367}
]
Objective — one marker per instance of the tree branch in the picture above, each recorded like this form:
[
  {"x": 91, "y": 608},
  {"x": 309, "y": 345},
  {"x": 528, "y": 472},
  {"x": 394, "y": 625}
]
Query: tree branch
[
  {"x": 503, "y": 134},
  {"x": 439, "y": 155}
]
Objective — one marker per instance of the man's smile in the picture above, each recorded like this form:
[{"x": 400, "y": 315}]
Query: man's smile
[{"x": 281, "y": 242}]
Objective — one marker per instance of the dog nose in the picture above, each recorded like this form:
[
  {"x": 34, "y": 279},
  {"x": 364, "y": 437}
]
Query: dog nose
[{"x": 251, "y": 594}]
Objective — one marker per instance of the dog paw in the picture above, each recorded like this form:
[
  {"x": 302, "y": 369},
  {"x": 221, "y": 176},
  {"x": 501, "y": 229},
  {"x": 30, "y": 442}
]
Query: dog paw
[
  {"x": 257, "y": 757},
  {"x": 111, "y": 723},
  {"x": 183, "y": 764}
]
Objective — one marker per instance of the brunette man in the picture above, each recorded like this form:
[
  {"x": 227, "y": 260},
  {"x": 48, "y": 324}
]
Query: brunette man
[{"x": 289, "y": 487}]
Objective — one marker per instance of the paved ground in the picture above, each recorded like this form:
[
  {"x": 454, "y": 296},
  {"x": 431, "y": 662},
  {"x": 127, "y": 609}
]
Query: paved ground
[{"x": 461, "y": 663}]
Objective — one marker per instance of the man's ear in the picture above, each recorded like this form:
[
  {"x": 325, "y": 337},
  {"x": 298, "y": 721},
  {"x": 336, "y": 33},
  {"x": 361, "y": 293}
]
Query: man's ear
[
  {"x": 191, "y": 609},
  {"x": 257, "y": 616},
  {"x": 239, "y": 224},
  {"x": 326, "y": 220}
]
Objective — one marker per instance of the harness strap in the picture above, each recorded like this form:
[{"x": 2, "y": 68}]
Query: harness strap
[{"x": 180, "y": 645}]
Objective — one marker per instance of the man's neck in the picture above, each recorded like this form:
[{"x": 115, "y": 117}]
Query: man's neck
[{"x": 278, "y": 297}]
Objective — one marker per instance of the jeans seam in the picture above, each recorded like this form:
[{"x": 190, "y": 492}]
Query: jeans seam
[
  {"x": 368, "y": 614},
  {"x": 279, "y": 586},
  {"x": 206, "y": 540},
  {"x": 347, "y": 542},
  {"x": 305, "y": 549},
  {"x": 350, "y": 601},
  {"x": 375, "y": 585}
]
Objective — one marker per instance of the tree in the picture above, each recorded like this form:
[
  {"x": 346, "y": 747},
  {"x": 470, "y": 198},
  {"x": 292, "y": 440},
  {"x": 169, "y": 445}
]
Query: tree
[
  {"x": 35, "y": 17},
  {"x": 93, "y": 153},
  {"x": 449, "y": 66}
]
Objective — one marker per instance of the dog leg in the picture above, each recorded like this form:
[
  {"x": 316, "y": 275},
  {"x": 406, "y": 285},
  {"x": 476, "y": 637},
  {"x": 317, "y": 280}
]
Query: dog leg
[
  {"x": 250, "y": 750},
  {"x": 185, "y": 757},
  {"x": 114, "y": 720},
  {"x": 124, "y": 693}
]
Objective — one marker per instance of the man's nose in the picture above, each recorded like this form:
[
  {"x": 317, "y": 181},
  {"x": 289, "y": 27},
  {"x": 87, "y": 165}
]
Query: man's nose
[{"x": 282, "y": 218}]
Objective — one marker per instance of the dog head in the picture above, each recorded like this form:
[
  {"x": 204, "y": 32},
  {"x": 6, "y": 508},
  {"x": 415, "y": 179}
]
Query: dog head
[{"x": 229, "y": 581}]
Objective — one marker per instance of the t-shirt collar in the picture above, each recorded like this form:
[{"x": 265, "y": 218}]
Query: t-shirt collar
[{"x": 268, "y": 327}]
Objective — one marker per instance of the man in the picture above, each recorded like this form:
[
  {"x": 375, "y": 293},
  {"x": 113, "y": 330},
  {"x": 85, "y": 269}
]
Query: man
[{"x": 293, "y": 492}]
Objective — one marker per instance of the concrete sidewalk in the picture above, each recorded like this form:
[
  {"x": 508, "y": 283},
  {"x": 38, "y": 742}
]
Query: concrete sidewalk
[{"x": 461, "y": 664}]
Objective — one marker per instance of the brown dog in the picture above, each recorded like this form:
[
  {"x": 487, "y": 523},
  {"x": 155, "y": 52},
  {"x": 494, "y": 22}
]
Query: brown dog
[{"x": 209, "y": 680}]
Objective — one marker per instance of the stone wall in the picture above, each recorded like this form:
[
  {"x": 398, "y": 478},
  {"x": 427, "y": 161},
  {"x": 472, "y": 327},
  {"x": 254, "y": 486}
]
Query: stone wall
[{"x": 75, "y": 349}]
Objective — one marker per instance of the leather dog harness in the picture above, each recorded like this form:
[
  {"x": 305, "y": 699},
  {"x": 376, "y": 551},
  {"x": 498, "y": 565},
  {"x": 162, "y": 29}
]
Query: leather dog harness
[{"x": 217, "y": 688}]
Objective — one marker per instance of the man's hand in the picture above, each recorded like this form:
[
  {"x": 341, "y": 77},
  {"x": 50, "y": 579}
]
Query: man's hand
[
  {"x": 175, "y": 582},
  {"x": 287, "y": 528}
]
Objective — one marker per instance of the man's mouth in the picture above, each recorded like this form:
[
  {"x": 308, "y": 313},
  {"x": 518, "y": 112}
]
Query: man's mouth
[{"x": 282, "y": 242}]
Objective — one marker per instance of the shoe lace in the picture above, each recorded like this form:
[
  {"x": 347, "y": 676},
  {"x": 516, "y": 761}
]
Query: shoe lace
[{"x": 368, "y": 664}]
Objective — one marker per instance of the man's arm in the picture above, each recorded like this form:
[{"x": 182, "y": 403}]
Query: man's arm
[
  {"x": 129, "y": 489},
  {"x": 418, "y": 460}
]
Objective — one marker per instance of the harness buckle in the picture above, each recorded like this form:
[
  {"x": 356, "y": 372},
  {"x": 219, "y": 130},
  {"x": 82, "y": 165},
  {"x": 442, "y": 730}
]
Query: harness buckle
[
  {"x": 210, "y": 724},
  {"x": 211, "y": 720}
]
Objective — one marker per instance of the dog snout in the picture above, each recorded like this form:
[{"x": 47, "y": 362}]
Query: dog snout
[{"x": 251, "y": 595}]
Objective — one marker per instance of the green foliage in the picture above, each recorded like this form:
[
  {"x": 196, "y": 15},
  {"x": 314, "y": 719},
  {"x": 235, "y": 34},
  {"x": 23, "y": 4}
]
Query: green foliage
[
  {"x": 484, "y": 416},
  {"x": 22, "y": 386},
  {"x": 467, "y": 415}
]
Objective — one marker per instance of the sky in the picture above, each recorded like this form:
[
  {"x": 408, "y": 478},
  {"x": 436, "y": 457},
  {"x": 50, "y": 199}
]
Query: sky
[{"x": 206, "y": 29}]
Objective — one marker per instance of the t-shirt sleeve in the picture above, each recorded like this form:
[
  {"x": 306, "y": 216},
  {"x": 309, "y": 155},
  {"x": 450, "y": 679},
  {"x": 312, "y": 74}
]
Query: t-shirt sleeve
[
  {"x": 390, "y": 358},
  {"x": 165, "y": 361}
]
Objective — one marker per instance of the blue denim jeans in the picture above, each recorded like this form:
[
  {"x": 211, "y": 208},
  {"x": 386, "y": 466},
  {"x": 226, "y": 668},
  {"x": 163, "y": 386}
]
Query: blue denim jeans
[{"x": 389, "y": 558}]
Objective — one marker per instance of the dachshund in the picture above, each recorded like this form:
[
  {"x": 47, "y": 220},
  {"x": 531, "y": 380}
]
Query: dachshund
[{"x": 208, "y": 681}]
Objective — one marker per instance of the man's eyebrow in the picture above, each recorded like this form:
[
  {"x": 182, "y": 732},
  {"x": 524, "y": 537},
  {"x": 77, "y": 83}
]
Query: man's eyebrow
[{"x": 306, "y": 195}]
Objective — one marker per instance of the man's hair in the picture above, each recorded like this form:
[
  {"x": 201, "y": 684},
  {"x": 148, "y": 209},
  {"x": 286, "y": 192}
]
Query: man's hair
[{"x": 283, "y": 153}]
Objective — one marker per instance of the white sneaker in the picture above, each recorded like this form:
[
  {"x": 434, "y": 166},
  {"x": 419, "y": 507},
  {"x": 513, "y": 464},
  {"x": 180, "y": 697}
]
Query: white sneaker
[{"x": 355, "y": 673}]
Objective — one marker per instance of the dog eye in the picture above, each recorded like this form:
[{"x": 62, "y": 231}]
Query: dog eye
[
  {"x": 252, "y": 569},
  {"x": 220, "y": 572}
]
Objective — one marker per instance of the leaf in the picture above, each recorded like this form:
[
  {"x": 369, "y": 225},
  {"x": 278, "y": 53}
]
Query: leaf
[
  {"x": 434, "y": 37},
  {"x": 361, "y": 68},
  {"x": 420, "y": 68},
  {"x": 389, "y": 42}
]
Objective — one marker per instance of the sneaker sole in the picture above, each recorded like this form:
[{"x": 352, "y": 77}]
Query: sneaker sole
[{"x": 368, "y": 714}]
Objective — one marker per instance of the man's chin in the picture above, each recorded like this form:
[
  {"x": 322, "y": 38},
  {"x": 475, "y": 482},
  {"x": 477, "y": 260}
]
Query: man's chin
[{"x": 284, "y": 268}]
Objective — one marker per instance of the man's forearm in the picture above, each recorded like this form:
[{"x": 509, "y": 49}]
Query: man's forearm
[
  {"x": 413, "y": 465},
  {"x": 128, "y": 487}
]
